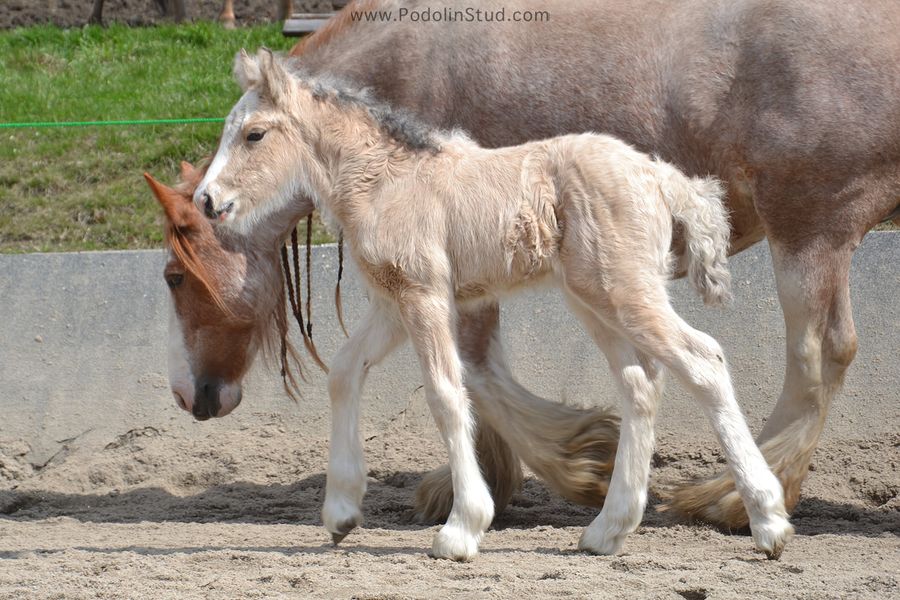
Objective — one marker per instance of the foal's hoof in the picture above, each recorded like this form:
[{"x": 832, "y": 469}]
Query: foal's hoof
[
  {"x": 342, "y": 530},
  {"x": 608, "y": 545},
  {"x": 772, "y": 536},
  {"x": 337, "y": 538},
  {"x": 454, "y": 543}
]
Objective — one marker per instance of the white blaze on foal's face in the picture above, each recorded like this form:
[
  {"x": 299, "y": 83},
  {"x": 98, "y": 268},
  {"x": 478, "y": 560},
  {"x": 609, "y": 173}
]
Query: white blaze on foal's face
[
  {"x": 252, "y": 174},
  {"x": 212, "y": 195}
]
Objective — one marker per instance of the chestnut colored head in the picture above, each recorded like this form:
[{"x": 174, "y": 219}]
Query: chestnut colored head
[{"x": 226, "y": 303}]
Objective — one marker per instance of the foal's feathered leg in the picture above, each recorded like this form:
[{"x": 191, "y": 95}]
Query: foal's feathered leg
[
  {"x": 697, "y": 360},
  {"x": 429, "y": 319},
  {"x": 571, "y": 449},
  {"x": 379, "y": 332},
  {"x": 499, "y": 463},
  {"x": 640, "y": 380},
  {"x": 813, "y": 287}
]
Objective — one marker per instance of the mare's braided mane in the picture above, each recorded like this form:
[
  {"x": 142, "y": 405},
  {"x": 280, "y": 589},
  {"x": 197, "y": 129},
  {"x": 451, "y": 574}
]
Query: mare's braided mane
[{"x": 293, "y": 292}]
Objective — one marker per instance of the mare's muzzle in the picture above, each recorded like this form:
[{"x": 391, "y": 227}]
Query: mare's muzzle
[{"x": 206, "y": 398}]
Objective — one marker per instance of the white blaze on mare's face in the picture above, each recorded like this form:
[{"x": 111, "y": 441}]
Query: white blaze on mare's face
[
  {"x": 181, "y": 380},
  {"x": 231, "y": 136},
  {"x": 181, "y": 377}
]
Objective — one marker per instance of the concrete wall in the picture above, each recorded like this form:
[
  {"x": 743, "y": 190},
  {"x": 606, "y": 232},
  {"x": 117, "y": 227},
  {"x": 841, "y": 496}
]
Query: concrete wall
[{"x": 82, "y": 350}]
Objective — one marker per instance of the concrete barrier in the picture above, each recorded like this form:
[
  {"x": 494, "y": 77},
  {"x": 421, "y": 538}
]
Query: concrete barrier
[{"x": 82, "y": 350}]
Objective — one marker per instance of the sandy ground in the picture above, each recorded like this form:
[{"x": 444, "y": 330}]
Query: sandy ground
[{"x": 236, "y": 514}]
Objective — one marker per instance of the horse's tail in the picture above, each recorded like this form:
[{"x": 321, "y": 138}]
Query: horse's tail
[{"x": 697, "y": 204}]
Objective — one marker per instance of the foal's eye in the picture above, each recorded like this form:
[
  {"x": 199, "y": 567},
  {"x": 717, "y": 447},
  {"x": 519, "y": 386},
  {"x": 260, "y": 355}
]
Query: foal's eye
[
  {"x": 255, "y": 136},
  {"x": 174, "y": 280}
]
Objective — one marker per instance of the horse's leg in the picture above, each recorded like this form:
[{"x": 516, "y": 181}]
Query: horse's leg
[
  {"x": 177, "y": 10},
  {"x": 434, "y": 497},
  {"x": 640, "y": 311},
  {"x": 640, "y": 381},
  {"x": 285, "y": 8},
  {"x": 96, "y": 17},
  {"x": 379, "y": 332},
  {"x": 813, "y": 288},
  {"x": 571, "y": 449},
  {"x": 429, "y": 319},
  {"x": 698, "y": 362},
  {"x": 226, "y": 17}
]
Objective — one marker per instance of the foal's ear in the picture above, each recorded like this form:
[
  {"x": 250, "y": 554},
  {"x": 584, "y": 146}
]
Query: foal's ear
[
  {"x": 188, "y": 172},
  {"x": 275, "y": 78},
  {"x": 246, "y": 70},
  {"x": 176, "y": 205}
]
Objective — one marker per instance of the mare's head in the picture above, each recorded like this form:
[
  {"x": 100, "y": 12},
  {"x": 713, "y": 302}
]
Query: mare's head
[
  {"x": 265, "y": 159},
  {"x": 226, "y": 303}
]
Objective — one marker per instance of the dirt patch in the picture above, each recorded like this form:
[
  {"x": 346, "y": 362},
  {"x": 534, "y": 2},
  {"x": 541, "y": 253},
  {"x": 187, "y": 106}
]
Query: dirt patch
[
  {"x": 236, "y": 514},
  {"x": 75, "y": 13}
]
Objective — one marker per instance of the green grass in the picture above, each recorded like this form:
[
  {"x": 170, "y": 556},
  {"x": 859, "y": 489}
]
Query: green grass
[{"x": 82, "y": 188}]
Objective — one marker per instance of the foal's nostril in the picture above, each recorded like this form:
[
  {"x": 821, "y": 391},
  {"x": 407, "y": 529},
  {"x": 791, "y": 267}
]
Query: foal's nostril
[
  {"x": 208, "y": 205},
  {"x": 227, "y": 208}
]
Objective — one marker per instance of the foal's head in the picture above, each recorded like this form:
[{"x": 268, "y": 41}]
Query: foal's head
[
  {"x": 263, "y": 145},
  {"x": 291, "y": 135},
  {"x": 227, "y": 303}
]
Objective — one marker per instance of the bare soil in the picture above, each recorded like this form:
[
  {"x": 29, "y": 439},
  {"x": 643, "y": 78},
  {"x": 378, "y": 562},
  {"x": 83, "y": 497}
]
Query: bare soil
[
  {"x": 75, "y": 13},
  {"x": 236, "y": 514}
]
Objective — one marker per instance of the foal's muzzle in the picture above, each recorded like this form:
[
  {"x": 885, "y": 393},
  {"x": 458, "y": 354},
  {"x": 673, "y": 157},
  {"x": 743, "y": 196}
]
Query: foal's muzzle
[{"x": 211, "y": 211}]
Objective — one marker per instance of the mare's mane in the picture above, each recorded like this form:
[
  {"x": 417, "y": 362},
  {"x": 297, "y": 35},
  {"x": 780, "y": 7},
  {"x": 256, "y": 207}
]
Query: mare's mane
[
  {"x": 336, "y": 25},
  {"x": 275, "y": 330}
]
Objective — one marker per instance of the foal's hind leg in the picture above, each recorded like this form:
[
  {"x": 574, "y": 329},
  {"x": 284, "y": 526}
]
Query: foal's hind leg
[
  {"x": 643, "y": 315},
  {"x": 698, "y": 362},
  {"x": 379, "y": 332},
  {"x": 640, "y": 380},
  {"x": 813, "y": 287}
]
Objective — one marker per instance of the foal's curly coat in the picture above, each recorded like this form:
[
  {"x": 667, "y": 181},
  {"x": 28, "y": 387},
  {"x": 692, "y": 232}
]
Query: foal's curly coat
[{"x": 435, "y": 222}]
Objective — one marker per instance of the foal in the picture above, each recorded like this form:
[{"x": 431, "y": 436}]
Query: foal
[{"x": 434, "y": 222}]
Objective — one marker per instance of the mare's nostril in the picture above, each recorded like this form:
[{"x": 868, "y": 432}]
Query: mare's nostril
[
  {"x": 227, "y": 208},
  {"x": 206, "y": 398},
  {"x": 208, "y": 205}
]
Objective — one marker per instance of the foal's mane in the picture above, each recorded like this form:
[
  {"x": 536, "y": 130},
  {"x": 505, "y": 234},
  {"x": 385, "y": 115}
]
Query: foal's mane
[{"x": 399, "y": 124}]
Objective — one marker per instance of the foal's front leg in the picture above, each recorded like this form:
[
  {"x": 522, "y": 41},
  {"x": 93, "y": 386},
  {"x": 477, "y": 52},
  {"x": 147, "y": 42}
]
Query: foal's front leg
[
  {"x": 379, "y": 332},
  {"x": 429, "y": 319}
]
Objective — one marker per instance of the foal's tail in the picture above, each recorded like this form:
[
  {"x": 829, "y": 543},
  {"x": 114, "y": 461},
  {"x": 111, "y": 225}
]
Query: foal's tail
[{"x": 696, "y": 203}]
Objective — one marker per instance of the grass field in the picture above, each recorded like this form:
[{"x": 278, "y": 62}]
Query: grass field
[{"x": 81, "y": 188}]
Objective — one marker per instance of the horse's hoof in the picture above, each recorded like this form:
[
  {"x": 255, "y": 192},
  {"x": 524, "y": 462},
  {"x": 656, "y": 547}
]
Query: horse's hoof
[
  {"x": 772, "y": 537},
  {"x": 342, "y": 530},
  {"x": 337, "y": 538},
  {"x": 455, "y": 544}
]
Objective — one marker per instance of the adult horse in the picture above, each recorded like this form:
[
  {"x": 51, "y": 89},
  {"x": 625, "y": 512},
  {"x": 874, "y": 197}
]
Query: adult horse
[{"x": 795, "y": 104}]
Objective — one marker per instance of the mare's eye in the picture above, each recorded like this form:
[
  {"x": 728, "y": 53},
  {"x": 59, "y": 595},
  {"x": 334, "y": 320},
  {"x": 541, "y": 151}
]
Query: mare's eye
[
  {"x": 255, "y": 136},
  {"x": 174, "y": 280}
]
